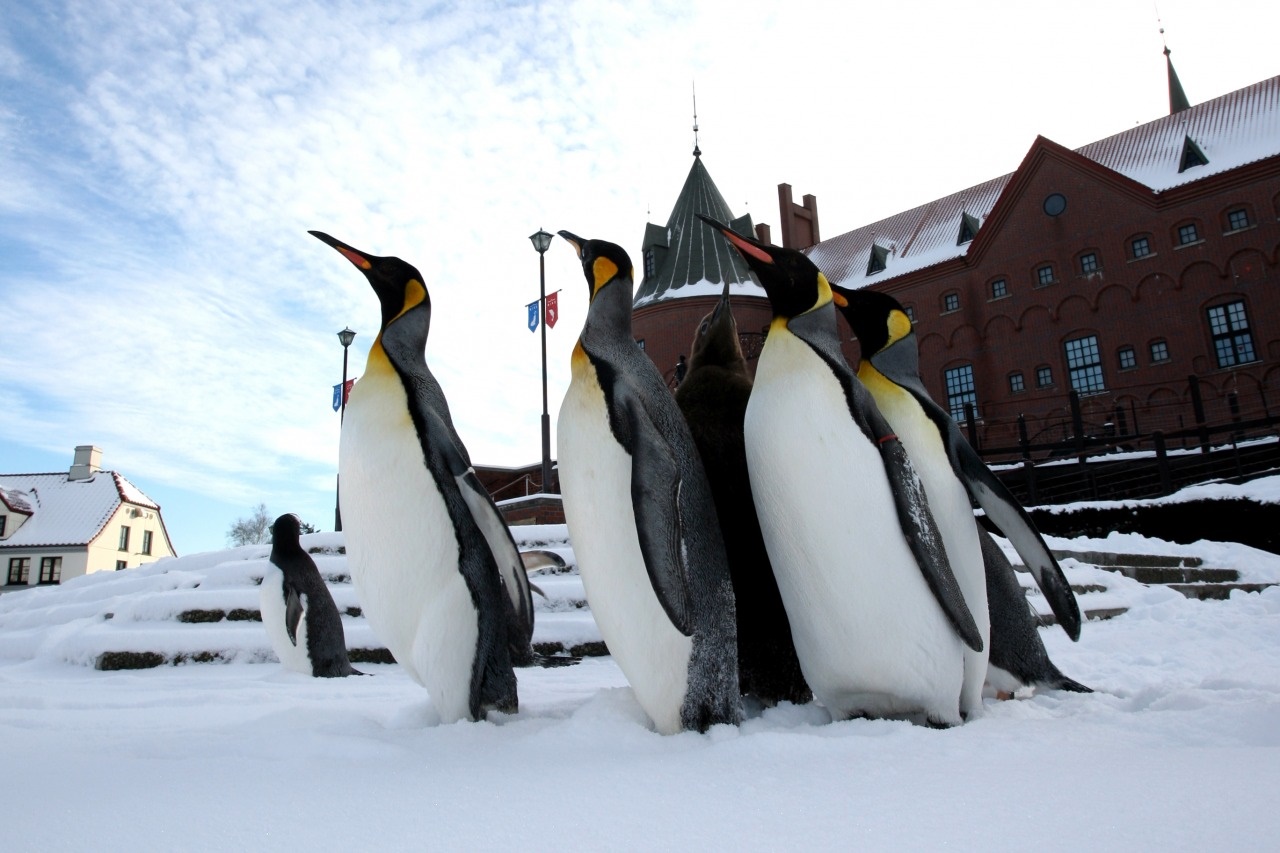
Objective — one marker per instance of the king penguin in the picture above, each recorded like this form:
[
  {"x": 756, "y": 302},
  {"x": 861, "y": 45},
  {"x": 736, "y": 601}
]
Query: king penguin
[
  {"x": 641, "y": 516},
  {"x": 439, "y": 576},
  {"x": 1018, "y": 656},
  {"x": 298, "y": 610},
  {"x": 713, "y": 397},
  {"x": 879, "y": 621},
  {"x": 891, "y": 369}
]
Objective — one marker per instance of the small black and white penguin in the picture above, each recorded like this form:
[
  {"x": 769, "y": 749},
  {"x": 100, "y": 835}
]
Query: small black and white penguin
[
  {"x": 1018, "y": 656},
  {"x": 297, "y": 609},
  {"x": 439, "y": 577},
  {"x": 891, "y": 371},
  {"x": 641, "y": 516},
  {"x": 713, "y": 396},
  {"x": 879, "y": 621}
]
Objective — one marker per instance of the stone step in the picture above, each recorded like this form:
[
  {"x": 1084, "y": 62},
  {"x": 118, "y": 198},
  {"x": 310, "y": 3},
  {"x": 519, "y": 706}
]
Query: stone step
[
  {"x": 1216, "y": 591},
  {"x": 1110, "y": 558},
  {"x": 1098, "y": 614},
  {"x": 1174, "y": 575}
]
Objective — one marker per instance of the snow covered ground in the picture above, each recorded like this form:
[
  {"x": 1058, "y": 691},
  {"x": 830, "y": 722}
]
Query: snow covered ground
[{"x": 1178, "y": 749}]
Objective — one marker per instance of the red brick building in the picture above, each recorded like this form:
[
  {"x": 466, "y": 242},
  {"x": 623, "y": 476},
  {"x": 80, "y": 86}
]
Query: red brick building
[{"x": 1118, "y": 270}]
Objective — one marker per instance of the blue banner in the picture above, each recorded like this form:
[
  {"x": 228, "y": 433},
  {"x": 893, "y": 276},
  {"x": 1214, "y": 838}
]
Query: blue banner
[
  {"x": 337, "y": 396},
  {"x": 533, "y": 316}
]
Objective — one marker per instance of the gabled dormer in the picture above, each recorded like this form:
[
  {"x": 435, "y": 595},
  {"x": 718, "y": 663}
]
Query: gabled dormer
[
  {"x": 1191, "y": 155},
  {"x": 879, "y": 259},
  {"x": 968, "y": 228}
]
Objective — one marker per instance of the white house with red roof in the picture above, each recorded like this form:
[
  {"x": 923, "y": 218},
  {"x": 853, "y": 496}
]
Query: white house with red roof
[{"x": 62, "y": 525}]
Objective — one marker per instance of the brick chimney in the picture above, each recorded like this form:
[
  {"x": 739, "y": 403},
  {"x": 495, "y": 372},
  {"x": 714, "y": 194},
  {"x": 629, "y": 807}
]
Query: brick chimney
[{"x": 86, "y": 463}]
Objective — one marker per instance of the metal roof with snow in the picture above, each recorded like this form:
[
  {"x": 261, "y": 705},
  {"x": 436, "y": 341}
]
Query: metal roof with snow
[
  {"x": 1232, "y": 131},
  {"x": 63, "y": 511},
  {"x": 686, "y": 258}
]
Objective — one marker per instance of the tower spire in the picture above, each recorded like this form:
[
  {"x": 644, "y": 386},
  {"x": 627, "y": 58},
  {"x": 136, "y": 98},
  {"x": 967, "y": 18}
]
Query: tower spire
[
  {"x": 1177, "y": 97},
  {"x": 697, "y": 152}
]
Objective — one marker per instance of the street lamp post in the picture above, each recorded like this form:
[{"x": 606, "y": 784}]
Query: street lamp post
[
  {"x": 542, "y": 241},
  {"x": 345, "y": 337}
]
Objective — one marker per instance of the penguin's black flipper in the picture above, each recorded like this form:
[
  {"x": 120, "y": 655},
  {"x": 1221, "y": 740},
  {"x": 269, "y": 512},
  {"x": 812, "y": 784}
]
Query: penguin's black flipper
[
  {"x": 515, "y": 580},
  {"x": 1007, "y": 513},
  {"x": 655, "y": 497},
  {"x": 292, "y": 613},
  {"x": 1016, "y": 647},
  {"x": 917, "y": 521},
  {"x": 900, "y": 363}
]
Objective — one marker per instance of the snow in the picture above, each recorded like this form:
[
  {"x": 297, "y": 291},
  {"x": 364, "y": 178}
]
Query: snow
[{"x": 1179, "y": 749}]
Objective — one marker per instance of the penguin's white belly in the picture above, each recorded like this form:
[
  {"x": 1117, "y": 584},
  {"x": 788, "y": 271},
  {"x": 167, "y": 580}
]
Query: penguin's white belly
[
  {"x": 272, "y": 606},
  {"x": 402, "y": 548},
  {"x": 953, "y": 513},
  {"x": 595, "y": 482},
  {"x": 869, "y": 634}
]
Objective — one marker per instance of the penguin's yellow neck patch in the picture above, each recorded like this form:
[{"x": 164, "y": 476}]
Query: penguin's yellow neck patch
[
  {"x": 824, "y": 291},
  {"x": 876, "y": 382},
  {"x": 603, "y": 271},
  {"x": 377, "y": 361},
  {"x": 415, "y": 293},
  {"x": 899, "y": 325}
]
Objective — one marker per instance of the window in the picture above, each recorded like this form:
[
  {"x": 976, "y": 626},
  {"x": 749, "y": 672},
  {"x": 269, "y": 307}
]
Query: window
[
  {"x": 1016, "y": 383},
  {"x": 968, "y": 229},
  {"x": 1191, "y": 155},
  {"x": 999, "y": 289},
  {"x": 878, "y": 261},
  {"x": 1088, "y": 263},
  {"x": 1232, "y": 340},
  {"x": 650, "y": 266},
  {"x": 122, "y": 564},
  {"x": 1237, "y": 219},
  {"x": 1128, "y": 358},
  {"x": 1044, "y": 376},
  {"x": 146, "y": 541},
  {"x": 1140, "y": 246},
  {"x": 50, "y": 570},
  {"x": 3, "y": 520},
  {"x": 1159, "y": 351},
  {"x": 960, "y": 390},
  {"x": 951, "y": 302},
  {"x": 19, "y": 570},
  {"x": 1044, "y": 275},
  {"x": 124, "y": 537},
  {"x": 1084, "y": 365},
  {"x": 1188, "y": 234},
  {"x": 639, "y": 343},
  {"x": 911, "y": 312}
]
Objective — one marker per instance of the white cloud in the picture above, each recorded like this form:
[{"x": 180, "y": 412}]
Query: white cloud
[{"x": 165, "y": 167}]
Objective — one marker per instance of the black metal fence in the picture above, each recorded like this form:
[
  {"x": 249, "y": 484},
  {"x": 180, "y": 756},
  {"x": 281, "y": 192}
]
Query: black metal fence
[{"x": 1094, "y": 449}]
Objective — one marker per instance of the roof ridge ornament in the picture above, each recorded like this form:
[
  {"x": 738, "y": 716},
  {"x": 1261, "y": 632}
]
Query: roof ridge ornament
[{"x": 697, "y": 152}]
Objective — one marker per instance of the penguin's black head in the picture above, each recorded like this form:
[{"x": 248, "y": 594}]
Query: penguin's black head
[
  {"x": 877, "y": 319},
  {"x": 285, "y": 530},
  {"x": 602, "y": 262},
  {"x": 398, "y": 284},
  {"x": 793, "y": 283},
  {"x": 717, "y": 339}
]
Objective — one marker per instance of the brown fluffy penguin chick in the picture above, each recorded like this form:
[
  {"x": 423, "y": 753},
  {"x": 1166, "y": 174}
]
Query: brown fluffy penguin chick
[{"x": 713, "y": 397}]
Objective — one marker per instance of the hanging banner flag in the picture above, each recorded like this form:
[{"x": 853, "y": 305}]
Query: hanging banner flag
[
  {"x": 342, "y": 394},
  {"x": 533, "y": 316},
  {"x": 553, "y": 310}
]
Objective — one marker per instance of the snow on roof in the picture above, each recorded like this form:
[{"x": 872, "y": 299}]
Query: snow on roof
[
  {"x": 67, "y": 512},
  {"x": 1231, "y": 131}
]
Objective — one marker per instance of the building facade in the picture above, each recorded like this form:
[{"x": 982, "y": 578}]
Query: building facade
[
  {"x": 1128, "y": 271},
  {"x": 58, "y": 526}
]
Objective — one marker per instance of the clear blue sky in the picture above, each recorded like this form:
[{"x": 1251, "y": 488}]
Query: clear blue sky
[{"x": 160, "y": 296}]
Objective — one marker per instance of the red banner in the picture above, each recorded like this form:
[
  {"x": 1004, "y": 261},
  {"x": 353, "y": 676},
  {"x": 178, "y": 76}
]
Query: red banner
[{"x": 553, "y": 310}]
